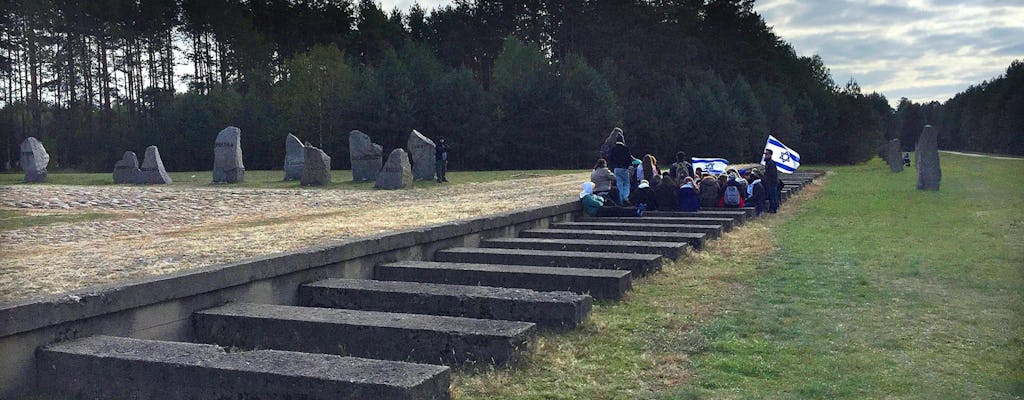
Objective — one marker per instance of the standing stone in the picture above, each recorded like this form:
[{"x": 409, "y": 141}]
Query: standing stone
[
  {"x": 227, "y": 157},
  {"x": 294, "y": 158},
  {"x": 153, "y": 172},
  {"x": 316, "y": 171},
  {"x": 34, "y": 160},
  {"x": 366, "y": 156},
  {"x": 397, "y": 172},
  {"x": 926, "y": 158},
  {"x": 421, "y": 149},
  {"x": 894, "y": 156},
  {"x": 127, "y": 170}
]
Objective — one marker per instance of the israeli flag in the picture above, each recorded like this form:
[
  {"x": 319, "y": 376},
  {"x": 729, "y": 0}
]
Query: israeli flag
[
  {"x": 785, "y": 158},
  {"x": 715, "y": 166}
]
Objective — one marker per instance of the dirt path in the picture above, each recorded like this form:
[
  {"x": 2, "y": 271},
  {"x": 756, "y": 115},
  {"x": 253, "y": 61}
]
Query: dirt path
[
  {"x": 161, "y": 229},
  {"x": 982, "y": 155}
]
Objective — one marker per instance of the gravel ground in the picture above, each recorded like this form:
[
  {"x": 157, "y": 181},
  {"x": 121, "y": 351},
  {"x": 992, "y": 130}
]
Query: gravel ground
[{"x": 158, "y": 230}]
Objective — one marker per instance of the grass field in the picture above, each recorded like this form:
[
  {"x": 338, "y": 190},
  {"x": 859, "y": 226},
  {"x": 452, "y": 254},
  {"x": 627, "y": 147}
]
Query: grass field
[
  {"x": 870, "y": 289},
  {"x": 341, "y": 179}
]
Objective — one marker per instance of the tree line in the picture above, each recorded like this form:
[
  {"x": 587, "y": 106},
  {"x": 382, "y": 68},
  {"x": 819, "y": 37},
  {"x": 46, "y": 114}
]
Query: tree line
[
  {"x": 510, "y": 84},
  {"x": 987, "y": 117}
]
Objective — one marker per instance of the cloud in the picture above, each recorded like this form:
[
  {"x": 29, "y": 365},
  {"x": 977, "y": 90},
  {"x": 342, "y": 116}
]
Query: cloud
[{"x": 920, "y": 49}]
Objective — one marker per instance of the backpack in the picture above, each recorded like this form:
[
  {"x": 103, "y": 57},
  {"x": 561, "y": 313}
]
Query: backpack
[
  {"x": 679, "y": 171},
  {"x": 732, "y": 196}
]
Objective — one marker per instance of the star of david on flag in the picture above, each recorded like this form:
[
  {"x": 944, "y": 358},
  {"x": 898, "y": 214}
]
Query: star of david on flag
[
  {"x": 785, "y": 158},
  {"x": 714, "y": 166}
]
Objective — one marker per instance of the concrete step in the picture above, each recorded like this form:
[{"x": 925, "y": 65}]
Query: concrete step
[
  {"x": 695, "y": 240},
  {"x": 726, "y": 223},
  {"x": 751, "y": 211},
  {"x": 639, "y": 264},
  {"x": 738, "y": 217},
  {"x": 713, "y": 231},
  {"x": 599, "y": 283},
  {"x": 105, "y": 367},
  {"x": 671, "y": 250},
  {"x": 555, "y": 310},
  {"x": 371, "y": 334}
]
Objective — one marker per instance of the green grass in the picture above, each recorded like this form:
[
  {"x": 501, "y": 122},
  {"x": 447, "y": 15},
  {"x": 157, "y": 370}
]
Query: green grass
[
  {"x": 18, "y": 219},
  {"x": 341, "y": 179},
  {"x": 871, "y": 290}
]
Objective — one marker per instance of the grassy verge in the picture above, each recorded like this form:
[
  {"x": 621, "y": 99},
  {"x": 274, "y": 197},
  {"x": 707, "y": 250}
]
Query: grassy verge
[
  {"x": 342, "y": 179},
  {"x": 18, "y": 219},
  {"x": 871, "y": 290}
]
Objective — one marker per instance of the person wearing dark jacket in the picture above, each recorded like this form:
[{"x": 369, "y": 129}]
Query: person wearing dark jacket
[
  {"x": 667, "y": 193},
  {"x": 689, "y": 198},
  {"x": 643, "y": 198},
  {"x": 770, "y": 180},
  {"x": 441, "y": 160},
  {"x": 619, "y": 160}
]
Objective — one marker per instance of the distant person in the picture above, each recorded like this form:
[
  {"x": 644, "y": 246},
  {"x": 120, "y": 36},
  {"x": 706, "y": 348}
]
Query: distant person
[
  {"x": 650, "y": 169},
  {"x": 742, "y": 180},
  {"x": 441, "y": 160},
  {"x": 667, "y": 193},
  {"x": 756, "y": 195},
  {"x": 593, "y": 205},
  {"x": 709, "y": 191},
  {"x": 643, "y": 198},
  {"x": 906, "y": 159},
  {"x": 689, "y": 197},
  {"x": 619, "y": 160},
  {"x": 681, "y": 168},
  {"x": 732, "y": 196},
  {"x": 603, "y": 178},
  {"x": 770, "y": 180}
]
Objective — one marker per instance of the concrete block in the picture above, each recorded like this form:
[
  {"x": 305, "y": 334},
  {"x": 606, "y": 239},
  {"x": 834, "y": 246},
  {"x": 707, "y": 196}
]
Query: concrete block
[
  {"x": 556, "y": 310},
  {"x": 738, "y": 217},
  {"x": 671, "y": 250},
  {"x": 371, "y": 334},
  {"x": 726, "y": 223},
  {"x": 695, "y": 240},
  {"x": 105, "y": 367},
  {"x": 599, "y": 283},
  {"x": 639, "y": 264},
  {"x": 751, "y": 211},
  {"x": 713, "y": 231}
]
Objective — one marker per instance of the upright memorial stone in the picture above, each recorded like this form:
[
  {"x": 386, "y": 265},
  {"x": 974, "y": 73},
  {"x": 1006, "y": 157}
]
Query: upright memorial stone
[
  {"x": 152, "y": 171},
  {"x": 397, "y": 172},
  {"x": 34, "y": 160},
  {"x": 894, "y": 156},
  {"x": 227, "y": 157},
  {"x": 294, "y": 158},
  {"x": 366, "y": 156},
  {"x": 316, "y": 171},
  {"x": 421, "y": 149},
  {"x": 127, "y": 170},
  {"x": 926, "y": 158}
]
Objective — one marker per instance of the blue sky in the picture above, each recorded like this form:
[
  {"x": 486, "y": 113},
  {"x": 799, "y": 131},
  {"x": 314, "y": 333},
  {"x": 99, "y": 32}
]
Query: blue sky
[{"x": 923, "y": 50}]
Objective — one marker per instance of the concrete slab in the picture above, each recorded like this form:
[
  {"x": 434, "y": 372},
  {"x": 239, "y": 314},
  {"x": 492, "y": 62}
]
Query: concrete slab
[
  {"x": 671, "y": 250},
  {"x": 726, "y": 223},
  {"x": 105, "y": 367},
  {"x": 555, "y": 310},
  {"x": 639, "y": 264},
  {"x": 713, "y": 231},
  {"x": 751, "y": 211},
  {"x": 371, "y": 334},
  {"x": 695, "y": 240},
  {"x": 599, "y": 283},
  {"x": 738, "y": 217}
]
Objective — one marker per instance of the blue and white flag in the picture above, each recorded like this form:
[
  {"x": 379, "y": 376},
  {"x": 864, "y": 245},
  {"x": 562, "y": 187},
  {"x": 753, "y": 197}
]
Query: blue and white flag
[
  {"x": 715, "y": 166},
  {"x": 785, "y": 158}
]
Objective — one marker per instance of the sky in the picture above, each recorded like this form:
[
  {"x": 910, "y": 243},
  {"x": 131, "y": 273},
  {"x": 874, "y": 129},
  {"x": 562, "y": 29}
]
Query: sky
[{"x": 923, "y": 50}]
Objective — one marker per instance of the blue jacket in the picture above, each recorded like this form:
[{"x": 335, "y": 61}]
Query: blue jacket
[{"x": 688, "y": 199}]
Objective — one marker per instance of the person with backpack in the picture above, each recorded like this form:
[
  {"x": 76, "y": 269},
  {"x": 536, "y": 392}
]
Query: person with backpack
[
  {"x": 681, "y": 168},
  {"x": 689, "y": 197},
  {"x": 594, "y": 205},
  {"x": 732, "y": 197}
]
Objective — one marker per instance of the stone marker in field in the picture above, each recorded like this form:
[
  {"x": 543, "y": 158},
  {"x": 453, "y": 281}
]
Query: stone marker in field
[
  {"x": 397, "y": 173},
  {"x": 421, "y": 149},
  {"x": 926, "y": 158},
  {"x": 366, "y": 156},
  {"x": 34, "y": 160},
  {"x": 152, "y": 171},
  {"x": 316, "y": 171},
  {"x": 893, "y": 155},
  {"x": 126, "y": 170},
  {"x": 227, "y": 157},
  {"x": 294, "y": 158}
]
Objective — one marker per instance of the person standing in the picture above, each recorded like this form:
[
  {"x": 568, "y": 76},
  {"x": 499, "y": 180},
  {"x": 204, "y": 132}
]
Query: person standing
[
  {"x": 619, "y": 159},
  {"x": 441, "y": 160},
  {"x": 770, "y": 180}
]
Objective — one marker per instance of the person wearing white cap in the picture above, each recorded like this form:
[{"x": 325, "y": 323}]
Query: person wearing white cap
[{"x": 593, "y": 205}]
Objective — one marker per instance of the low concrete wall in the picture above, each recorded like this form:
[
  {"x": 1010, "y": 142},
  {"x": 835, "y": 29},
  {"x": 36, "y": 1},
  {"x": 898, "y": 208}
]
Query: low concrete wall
[{"x": 160, "y": 307}]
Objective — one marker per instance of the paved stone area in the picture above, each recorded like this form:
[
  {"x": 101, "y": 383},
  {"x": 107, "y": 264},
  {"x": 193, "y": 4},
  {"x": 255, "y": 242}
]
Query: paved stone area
[{"x": 156, "y": 230}]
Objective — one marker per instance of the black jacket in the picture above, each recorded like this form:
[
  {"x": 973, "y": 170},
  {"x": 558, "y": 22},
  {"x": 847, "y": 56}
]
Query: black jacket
[
  {"x": 619, "y": 157},
  {"x": 771, "y": 173}
]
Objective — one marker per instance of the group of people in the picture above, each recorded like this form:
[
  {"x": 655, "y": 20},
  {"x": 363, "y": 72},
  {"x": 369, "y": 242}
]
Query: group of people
[{"x": 623, "y": 185}]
